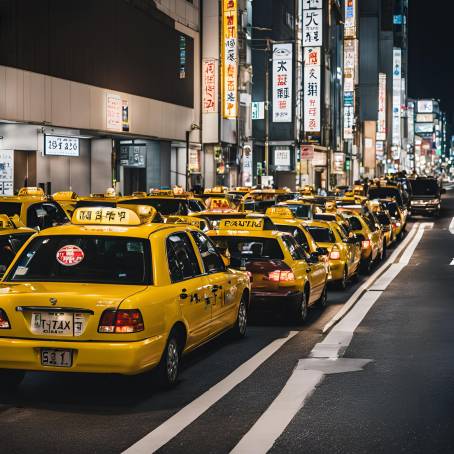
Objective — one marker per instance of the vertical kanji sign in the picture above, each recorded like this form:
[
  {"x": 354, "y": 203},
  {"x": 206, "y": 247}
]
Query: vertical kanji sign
[
  {"x": 209, "y": 81},
  {"x": 312, "y": 89},
  {"x": 312, "y": 27},
  {"x": 282, "y": 82},
  {"x": 381, "y": 123},
  {"x": 230, "y": 59}
]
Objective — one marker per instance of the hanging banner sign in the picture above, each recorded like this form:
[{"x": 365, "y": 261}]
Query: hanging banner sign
[
  {"x": 230, "y": 59},
  {"x": 381, "y": 123},
  {"x": 282, "y": 82},
  {"x": 312, "y": 89},
  {"x": 350, "y": 19},
  {"x": 209, "y": 90},
  {"x": 313, "y": 27},
  {"x": 397, "y": 97}
]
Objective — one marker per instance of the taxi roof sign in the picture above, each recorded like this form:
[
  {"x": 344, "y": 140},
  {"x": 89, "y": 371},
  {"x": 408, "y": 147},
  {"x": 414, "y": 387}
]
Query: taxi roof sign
[
  {"x": 31, "y": 191},
  {"x": 105, "y": 216},
  {"x": 242, "y": 224},
  {"x": 280, "y": 212},
  {"x": 65, "y": 196},
  {"x": 6, "y": 222}
]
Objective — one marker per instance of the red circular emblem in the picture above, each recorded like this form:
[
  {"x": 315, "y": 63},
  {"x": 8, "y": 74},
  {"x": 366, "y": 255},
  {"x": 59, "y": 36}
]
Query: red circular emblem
[{"x": 70, "y": 255}]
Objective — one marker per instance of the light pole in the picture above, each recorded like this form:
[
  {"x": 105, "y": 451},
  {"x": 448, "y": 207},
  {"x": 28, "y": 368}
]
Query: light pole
[{"x": 188, "y": 134}]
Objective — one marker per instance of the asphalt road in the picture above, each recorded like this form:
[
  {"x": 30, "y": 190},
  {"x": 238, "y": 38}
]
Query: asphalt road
[{"x": 402, "y": 401}]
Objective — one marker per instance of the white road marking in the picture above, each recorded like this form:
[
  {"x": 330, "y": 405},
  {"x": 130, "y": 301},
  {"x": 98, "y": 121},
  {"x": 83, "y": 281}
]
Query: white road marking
[
  {"x": 303, "y": 382},
  {"x": 174, "y": 425},
  {"x": 452, "y": 263},
  {"x": 451, "y": 226}
]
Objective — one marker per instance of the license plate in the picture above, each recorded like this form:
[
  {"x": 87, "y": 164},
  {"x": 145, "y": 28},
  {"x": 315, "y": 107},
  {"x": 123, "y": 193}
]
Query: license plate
[
  {"x": 57, "y": 323},
  {"x": 56, "y": 357}
]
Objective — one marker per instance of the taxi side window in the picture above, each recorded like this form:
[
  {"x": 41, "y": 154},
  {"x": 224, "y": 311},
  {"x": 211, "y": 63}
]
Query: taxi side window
[
  {"x": 182, "y": 259},
  {"x": 370, "y": 222},
  {"x": 296, "y": 251},
  {"x": 210, "y": 257},
  {"x": 45, "y": 215}
]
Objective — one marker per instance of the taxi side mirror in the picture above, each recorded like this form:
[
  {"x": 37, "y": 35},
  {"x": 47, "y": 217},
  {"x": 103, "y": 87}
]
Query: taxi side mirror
[{"x": 313, "y": 258}]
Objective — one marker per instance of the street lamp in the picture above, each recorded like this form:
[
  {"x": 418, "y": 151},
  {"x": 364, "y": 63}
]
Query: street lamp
[{"x": 188, "y": 134}]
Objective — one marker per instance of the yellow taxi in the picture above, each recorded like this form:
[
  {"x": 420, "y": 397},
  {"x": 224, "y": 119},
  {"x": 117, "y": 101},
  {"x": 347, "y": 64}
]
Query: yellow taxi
[
  {"x": 259, "y": 200},
  {"x": 13, "y": 235},
  {"x": 67, "y": 200},
  {"x": 301, "y": 209},
  {"x": 366, "y": 227},
  {"x": 282, "y": 274},
  {"x": 398, "y": 217},
  {"x": 344, "y": 251},
  {"x": 384, "y": 218},
  {"x": 111, "y": 293},
  {"x": 34, "y": 209}
]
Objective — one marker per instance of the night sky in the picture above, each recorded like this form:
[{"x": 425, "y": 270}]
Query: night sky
[{"x": 431, "y": 52}]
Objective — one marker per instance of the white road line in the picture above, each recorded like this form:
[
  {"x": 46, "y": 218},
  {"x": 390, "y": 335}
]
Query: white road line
[
  {"x": 302, "y": 383},
  {"x": 452, "y": 263},
  {"x": 451, "y": 226},
  {"x": 174, "y": 425}
]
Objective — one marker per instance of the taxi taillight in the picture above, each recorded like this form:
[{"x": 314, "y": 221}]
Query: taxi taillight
[
  {"x": 365, "y": 244},
  {"x": 122, "y": 321},
  {"x": 4, "y": 322},
  {"x": 281, "y": 276},
  {"x": 335, "y": 255}
]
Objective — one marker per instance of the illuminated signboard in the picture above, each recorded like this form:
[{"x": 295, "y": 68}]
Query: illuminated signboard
[{"x": 61, "y": 146}]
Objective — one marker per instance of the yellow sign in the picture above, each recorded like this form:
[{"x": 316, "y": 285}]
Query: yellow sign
[
  {"x": 280, "y": 212},
  {"x": 230, "y": 59},
  {"x": 241, "y": 224},
  {"x": 31, "y": 191},
  {"x": 105, "y": 216}
]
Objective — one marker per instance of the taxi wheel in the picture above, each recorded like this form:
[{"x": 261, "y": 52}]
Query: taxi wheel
[
  {"x": 323, "y": 301},
  {"x": 300, "y": 309},
  {"x": 169, "y": 367},
  {"x": 239, "y": 329},
  {"x": 11, "y": 379}
]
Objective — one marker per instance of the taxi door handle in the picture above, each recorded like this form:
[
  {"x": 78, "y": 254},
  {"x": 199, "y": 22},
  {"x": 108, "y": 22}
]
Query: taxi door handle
[{"x": 183, "y": 294}]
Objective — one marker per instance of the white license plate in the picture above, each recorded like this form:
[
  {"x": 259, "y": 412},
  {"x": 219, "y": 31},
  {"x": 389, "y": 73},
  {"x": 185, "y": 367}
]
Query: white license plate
[
  {"x": 56, "y": 357},
  {"x": 57, "y": 323}
]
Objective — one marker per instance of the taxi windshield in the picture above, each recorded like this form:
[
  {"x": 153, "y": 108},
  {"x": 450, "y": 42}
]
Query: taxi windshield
[
  {"x": 384, "y": 193},
  {"x": 166, "y": 207},
  {"x": 322, "y": 234},
  {"x": 300, "y": 211},
  {"x": 10, "y": 208},
  {"x": 249, "y": 248},
  {"x": 88, "y": 259}
]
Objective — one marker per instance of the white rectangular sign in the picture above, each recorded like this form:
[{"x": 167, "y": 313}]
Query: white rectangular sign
[
  {"x": 312, "y": 88},
  {"x": 6, "y": 172},
  {"x": 282, "y": 157},
  {"x": 114, "y": 111},
  {"x": 282, "y": 82},
  {"x": 258, "y": 110},
  {"x": 61, "y": 146},
  {"x": 381, "y": 123},
  {"x": 425, "y": 106},
  {"x": 313, "y": 27},
  {"x": 312, "y": 4}
]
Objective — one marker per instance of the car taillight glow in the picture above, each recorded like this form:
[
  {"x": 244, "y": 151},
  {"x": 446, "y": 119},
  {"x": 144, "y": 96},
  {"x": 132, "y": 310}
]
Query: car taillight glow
[
  {"x": 281, "y": 276},
  {"x": 122, "y": 321},
  {"x": 335, "y": 255},
  {"x": 4, "y": 322},
  {"x": 365, "y": 244}
]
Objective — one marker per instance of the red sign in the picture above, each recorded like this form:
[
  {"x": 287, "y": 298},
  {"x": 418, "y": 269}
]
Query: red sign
[
  {"x": 70, "y": 255},
  {"x": 307, "y": 152}
]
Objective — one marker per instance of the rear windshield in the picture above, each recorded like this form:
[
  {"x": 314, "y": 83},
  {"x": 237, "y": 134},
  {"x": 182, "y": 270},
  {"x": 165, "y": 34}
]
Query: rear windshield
[
  {"x": 322, "y": 234},
  {"x": 249, "y": 248},
  {"x": 299, "y": 236},
  {"x": 10, "y": 208},
  {"x": 392, "y": 208},
  {"x": 386, "y": 193},
  {"x": 89, "y": 259},
  {"x": 94, "y": 203},
  {"x": 300, "y": 211},
  {"x": 166, "y": 207},
  {"x": 383, "y": 219},
  {"x": 424, "y": 187}
]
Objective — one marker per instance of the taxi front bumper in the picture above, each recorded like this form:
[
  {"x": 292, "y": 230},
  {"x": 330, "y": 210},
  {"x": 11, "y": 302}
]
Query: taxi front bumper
[{"x": 127, "y": 358}]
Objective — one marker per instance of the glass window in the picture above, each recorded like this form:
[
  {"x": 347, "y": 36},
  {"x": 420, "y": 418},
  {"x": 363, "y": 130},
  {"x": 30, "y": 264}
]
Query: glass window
[
  {"x": 195, "y": 206},
  {"x": 299, "y": 236},
  {"x": 296, "y": 251},
  {"x": 45, "y": 215},
  {"x": 181, "y": 256},
  {"x": 355, "y": 223},
  {"x": 249, "y": 248},
  {"x": 425, "y": 187},
  {"x": 385, "y": 193},
  {"x": 89, "y": 259},
  {"x": 212, "y": 261},
  {"x": 166, "y": 207},
  {"x": 322, "y": 234},
  {"x": 10, "y": 208},
  {"x": 93, "y": 203},
  {"x": 301, "y": 211},
  {"x": 370, "y": 221},
  {"x": 383, "y": 219}
]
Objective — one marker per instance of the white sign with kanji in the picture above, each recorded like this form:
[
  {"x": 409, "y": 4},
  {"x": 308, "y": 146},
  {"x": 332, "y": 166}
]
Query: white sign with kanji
[
  {"x": 312, "y": 89},
  {"x": 312, "y": 4},
  {"x": 282, "y": 82},
  {"x": 313, "y": 27}
]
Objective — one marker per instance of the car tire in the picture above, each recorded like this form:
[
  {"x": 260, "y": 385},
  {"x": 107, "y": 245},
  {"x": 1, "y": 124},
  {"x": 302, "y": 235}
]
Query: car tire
[
  {"x": 240, "y": 327},
  {"x": 300, "y": 309},
  {"x": 384, "y": 252},
  {"x": 169, "y": 367},
  {"x": 366, "y": 267},
  {"x": 10, "y": 379},
  {"x": 343, "y": 283},
  {"x": 322, "y": 303}
]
